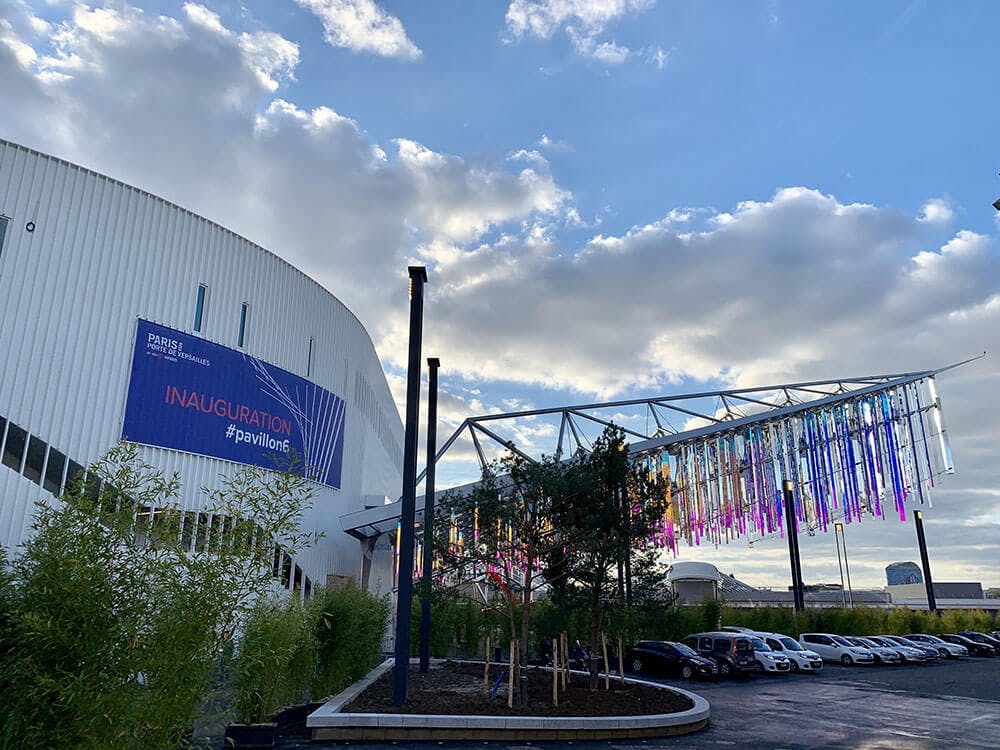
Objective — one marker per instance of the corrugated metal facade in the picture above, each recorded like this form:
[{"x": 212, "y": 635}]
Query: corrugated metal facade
[{"x": 101, "y": 255}]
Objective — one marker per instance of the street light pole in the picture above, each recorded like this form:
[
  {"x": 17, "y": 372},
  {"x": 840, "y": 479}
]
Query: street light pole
[
  {"x": 404, "y": 591},
  {"x": 433, "y": 363},
  {"x": 918, "y": 520},
  {"x": 798, "y": 596}
]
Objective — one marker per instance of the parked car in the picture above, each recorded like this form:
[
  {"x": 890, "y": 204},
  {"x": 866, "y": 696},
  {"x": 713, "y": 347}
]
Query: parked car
[
  {"x": 947, "y": 650},
  {"x": 881, "y": 654},
  {"x": 768, "y": 660},
  {"x": 975, "y": 647},
  {"x": 667, "y": 657},
  {"x": 909, "y": 654},
  {"x": 929, "y": 652},
  {"x": 733, "y": 652},
  {"x": 835, "y": 648},
  {"x": 975, "y": 635},
  {"x": 799, "y": 659}
]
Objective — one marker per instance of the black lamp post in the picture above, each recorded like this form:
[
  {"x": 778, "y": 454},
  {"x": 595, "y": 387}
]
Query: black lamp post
[
  {"x": 798, "y": 596},
  {"x": 404, "y": 591},
  {"x": 433, "y": 363},
  {"x": 918, "y": 520}
]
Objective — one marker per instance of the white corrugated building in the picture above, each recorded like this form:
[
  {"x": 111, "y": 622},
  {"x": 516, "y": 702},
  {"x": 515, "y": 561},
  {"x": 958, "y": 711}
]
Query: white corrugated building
[{"x": 85, "y": 261}]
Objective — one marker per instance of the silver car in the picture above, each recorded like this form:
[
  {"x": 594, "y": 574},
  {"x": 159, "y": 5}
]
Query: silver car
[
  {"x": 882, "y": 654},
  {"x": 947, "y": 650}
]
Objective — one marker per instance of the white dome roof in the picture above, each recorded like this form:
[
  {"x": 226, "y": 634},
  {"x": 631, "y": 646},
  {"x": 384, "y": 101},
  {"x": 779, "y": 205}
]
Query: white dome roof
[{"x": 693, "y": 570}]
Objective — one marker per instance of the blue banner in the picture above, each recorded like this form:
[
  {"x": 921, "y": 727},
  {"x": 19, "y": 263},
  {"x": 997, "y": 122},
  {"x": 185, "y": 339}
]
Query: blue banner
[{"x": 192, "y": 395}]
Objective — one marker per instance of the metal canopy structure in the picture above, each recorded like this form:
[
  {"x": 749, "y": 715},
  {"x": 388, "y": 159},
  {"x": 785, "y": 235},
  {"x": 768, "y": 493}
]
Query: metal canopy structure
[{"x": 853, "y": 447}]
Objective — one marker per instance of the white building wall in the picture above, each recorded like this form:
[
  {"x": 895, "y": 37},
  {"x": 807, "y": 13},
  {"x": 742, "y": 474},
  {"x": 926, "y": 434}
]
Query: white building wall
[{"x": 103, "y": 254}]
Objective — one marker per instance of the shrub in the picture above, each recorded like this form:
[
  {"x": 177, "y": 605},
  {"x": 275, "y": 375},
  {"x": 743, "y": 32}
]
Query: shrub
[
  {"x": 111, "y": 630},
  {"x": 277, "y": 659},
  {"x": 349, "y": 624}
]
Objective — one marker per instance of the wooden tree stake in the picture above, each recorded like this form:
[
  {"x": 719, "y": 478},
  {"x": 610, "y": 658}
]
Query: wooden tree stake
[
  {"x": 564, "y": 639},
  {"x": 555, "y": 675},
  {"x": 607, "y": 667},
  {"x": 486, "y": 669},
  {"x": 621, "y": 661},
  {"x": 510, "y": 677}
]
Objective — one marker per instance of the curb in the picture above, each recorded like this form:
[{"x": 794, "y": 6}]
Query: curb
[{"x": 329, "y": 723}]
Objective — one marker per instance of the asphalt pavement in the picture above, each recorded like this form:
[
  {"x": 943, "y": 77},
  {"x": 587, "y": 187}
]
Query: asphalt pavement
[{"x": 952, "y": 704}]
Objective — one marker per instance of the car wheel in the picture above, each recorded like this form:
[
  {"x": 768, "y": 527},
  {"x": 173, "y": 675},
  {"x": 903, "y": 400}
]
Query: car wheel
[
  {"x": 758, "y": 667},
  {"x": 878, "y": 661},
  {"x": 637, "y": 665},
  {"x": 687, "y": 671},
  {"x": 724, "y": 669},
  {"x": 794, "y": 665},
  {"x": 945, "y": 653},
  {"x": 846, "y": 660}
]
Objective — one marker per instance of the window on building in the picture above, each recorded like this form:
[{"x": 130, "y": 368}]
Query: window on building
[
  {"x": 244, "y": 314},
  {"x": 309, "y": 360},
  {"x": 13, "y": 448},
  {"x": 54, "y": 471},
  {"x": 34, "y": 462},
  {"x": 3, "y": 233},
  {"x": 74, "y": 473},
  {"x": 199, "y": 307}
]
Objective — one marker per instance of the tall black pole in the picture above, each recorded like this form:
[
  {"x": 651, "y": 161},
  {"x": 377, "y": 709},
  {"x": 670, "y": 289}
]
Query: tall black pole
[
  {"x": 433, "y": 363},
  {"x": 798, "y": 599},
  {"x": 404, "y": 591},
  {"x": 918, "y": 520}
]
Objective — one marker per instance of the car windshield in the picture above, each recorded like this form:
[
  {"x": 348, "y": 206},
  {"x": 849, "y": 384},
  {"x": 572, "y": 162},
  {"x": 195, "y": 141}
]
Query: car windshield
[
  {"x": 759, "y": 645},
  {"x": 684, "y": 650},
  {"x": 867, "y": 642},
  {"x": 744, "y": 645},
  {"x": 841, "y": 640},
  {"x": 791, "y": 645},
  {"x": 905, "y": 642}
]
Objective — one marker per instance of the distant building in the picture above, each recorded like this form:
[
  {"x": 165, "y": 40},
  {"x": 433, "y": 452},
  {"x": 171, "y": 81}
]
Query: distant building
[{"x": 900, "y": 573}]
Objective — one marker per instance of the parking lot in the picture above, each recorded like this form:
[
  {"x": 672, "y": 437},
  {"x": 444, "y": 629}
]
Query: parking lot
[{"x": 952, "y": 703}]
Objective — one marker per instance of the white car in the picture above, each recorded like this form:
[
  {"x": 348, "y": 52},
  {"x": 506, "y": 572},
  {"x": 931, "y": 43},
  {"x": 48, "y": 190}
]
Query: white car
[
  {"x": 767, "y": 659},
  {"x": 834, "y": 648},
  {"x": 799, "y": 659},
  {"x": 947, "y": 650}
]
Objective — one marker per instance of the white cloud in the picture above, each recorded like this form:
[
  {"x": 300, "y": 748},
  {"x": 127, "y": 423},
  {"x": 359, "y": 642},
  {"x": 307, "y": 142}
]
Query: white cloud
[
  {"x": 23, "y": 52},
  {"x": 586, "y": 18},
  {"x": 610, "y": 53},
  {"x": 184, "y": 107},
  {"x": 582, "y": 21},
  {"x": 937, "y": 211},
  {"x": 361, "y": 26}
]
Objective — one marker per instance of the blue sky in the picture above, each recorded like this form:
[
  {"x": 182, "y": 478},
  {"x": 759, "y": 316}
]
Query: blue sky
[{"x": 614, "y": 198}]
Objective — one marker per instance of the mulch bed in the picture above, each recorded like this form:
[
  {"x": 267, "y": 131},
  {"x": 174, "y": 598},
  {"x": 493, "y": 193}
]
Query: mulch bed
[{"x": 452, "y": 688}]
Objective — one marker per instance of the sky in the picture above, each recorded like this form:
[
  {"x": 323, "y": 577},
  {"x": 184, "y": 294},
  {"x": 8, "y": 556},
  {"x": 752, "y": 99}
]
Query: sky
[{"x": 613, "y": 198}]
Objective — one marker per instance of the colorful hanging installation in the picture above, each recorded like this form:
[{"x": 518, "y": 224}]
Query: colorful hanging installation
[{"x": 864, "y": 455}]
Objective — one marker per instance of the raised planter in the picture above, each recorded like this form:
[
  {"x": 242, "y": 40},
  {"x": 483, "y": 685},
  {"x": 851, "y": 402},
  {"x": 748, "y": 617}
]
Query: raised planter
[{"x": 330, "y": 722}]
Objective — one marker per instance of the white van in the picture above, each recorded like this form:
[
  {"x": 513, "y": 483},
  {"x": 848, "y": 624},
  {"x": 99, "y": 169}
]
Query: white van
[{"x": 801, "y": 659}]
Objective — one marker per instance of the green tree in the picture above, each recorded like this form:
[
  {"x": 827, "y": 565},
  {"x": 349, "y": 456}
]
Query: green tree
[
  {"x": 609, "y": 505},
  {"x": 506, "y": 528}
]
